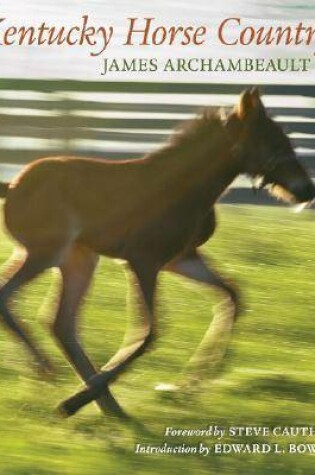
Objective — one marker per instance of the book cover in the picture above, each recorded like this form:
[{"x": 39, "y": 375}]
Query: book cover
[{"x": 157, "y": 283}]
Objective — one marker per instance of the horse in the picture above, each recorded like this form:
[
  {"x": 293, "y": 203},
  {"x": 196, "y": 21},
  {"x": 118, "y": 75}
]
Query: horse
[{"x": 154, "y": 213}]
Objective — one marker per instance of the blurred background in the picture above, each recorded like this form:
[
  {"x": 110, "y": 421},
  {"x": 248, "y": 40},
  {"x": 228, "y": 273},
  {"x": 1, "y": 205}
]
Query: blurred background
[{"x": 53, "y": 101}]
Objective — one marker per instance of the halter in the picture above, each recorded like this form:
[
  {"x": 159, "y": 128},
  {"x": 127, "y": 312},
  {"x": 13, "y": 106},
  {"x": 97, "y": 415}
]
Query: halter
[
  {"x": 275, "y": 160},
  {"x": 278, "y": 158}
]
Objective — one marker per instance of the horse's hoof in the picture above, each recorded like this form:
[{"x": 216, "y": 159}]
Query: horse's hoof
[
  {"x": 167, "y": 388},
  {"x": 173, "y": 393},
  {"x": 64, "y": 411},
  {"x": 45, "y": 370}
]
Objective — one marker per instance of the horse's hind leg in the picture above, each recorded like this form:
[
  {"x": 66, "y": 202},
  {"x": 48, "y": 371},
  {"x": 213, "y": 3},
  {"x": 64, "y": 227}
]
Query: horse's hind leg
[
  {"x": 77, "y": 270},
  {"x": 19, "y": 271},
  {"x": 145, "y": 275},
  {"x": 213, "y": 346}
]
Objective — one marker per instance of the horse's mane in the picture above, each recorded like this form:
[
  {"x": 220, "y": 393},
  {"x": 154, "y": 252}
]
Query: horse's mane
[
  {"x": 206, "y": 124},
  {"x": 190, "y": 134}
]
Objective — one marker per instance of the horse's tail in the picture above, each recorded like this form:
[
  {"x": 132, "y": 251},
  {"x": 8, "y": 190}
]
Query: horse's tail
[{"x": 4, "y": 188}]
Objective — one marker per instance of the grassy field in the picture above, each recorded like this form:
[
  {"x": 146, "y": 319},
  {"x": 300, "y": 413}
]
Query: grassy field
[{"x": 268, "y": 378}]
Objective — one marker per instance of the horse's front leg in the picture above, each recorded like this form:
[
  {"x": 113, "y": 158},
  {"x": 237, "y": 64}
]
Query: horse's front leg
[
  {"x": 213, "y": 345},
  {"x": 145, "y": 276}
]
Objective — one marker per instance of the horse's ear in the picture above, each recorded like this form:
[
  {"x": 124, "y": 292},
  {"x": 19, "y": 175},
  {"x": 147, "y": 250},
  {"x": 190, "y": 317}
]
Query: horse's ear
[
  {"x": 255, "y": 91},
  {"x": 256, "y": 98},
  {"x": 249, "y": 101},
  {"x": 245, "y": 104}
]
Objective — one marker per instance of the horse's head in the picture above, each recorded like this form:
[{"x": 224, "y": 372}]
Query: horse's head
[{"x": 266, "y": 152}]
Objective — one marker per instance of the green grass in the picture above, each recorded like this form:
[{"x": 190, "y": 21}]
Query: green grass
[{"x": 268, "y": 377}]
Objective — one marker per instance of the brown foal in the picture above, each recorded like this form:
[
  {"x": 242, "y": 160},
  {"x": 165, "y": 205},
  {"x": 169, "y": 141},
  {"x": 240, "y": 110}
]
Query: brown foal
[{"x": 153, "y": 212}]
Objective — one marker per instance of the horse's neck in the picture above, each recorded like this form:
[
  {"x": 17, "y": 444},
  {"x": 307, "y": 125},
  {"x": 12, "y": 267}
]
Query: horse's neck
[
  {"x": 197, "y": 171},
  {"x": 222, "y": 176}
]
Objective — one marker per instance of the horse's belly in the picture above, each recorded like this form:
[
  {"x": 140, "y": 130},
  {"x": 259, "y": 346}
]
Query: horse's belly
[
  {"x": 104, "y": 243},
  {"x": 159, "y": 237}
]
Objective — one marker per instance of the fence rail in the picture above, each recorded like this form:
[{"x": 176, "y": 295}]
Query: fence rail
[{"x": 127, "y": 119}]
